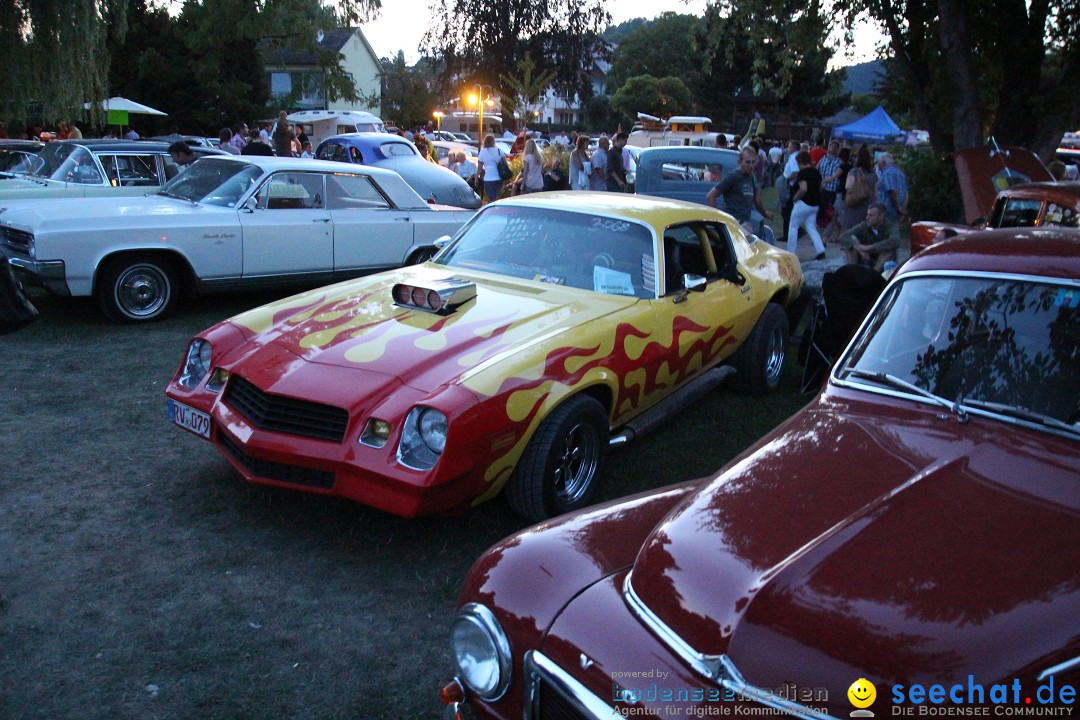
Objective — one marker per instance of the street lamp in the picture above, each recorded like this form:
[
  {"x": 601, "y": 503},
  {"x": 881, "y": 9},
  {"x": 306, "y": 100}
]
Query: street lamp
[
  {"x": 477, "y": 98},
  {"x": 438, "y": 115}
]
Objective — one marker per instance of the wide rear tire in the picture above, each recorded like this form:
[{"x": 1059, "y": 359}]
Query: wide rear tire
[
  {"x": 759, "y": 361},
  {"x": 560, "y": 468}
]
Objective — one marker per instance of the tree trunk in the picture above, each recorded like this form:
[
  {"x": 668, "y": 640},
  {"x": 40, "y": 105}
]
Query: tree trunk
[
  {"x": 1021, "y": 110},
  {"x": 956, "y": 47}
]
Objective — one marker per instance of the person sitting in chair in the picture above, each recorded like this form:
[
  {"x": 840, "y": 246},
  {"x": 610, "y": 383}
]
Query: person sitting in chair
[{"x": 874, "y": 242}]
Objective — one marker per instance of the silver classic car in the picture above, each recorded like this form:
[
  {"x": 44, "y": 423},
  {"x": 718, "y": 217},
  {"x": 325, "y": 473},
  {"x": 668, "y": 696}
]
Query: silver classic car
[
  {"x": 224, "y": 222},
  {"x": 91, "y": 168}
]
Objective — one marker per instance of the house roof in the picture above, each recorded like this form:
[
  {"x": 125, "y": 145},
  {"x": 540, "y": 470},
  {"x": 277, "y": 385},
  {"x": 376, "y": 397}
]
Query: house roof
[{"x": 332, "y": 41}]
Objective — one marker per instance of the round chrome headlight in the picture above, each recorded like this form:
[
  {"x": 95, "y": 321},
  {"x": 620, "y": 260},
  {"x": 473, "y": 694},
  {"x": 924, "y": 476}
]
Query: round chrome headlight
[
  {"x": 196, "y": 363},
  {"x": 423, "y": 438},
  {"x": 481, "y": 650},
  {"x": 433, "y": 429}
]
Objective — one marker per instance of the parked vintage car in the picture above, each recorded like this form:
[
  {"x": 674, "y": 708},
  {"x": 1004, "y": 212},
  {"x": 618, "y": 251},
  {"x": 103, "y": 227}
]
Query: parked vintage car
[
  {"x": 914, "y": 526},
  {"x": 443, "y": 149},
  {"x": 226, "y": 222},
  {"x": 433, "y": 183},
  {"x": 92, "y": 168},
  {"x": 552, "y": 325},
  {"x": 1003, "y": 188},
  {"x": 14, "y": 153},
  {"x": 682, "y": 172}
]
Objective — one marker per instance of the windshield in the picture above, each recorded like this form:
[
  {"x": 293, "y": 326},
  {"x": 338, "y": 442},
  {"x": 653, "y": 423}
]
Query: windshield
[
  {"x": 64, "y": 162},
  {"x": 15, "y": 161},
  {"x": 987, "y": 342},
  {"x": 214, "y": 182},
  {"x": 590, "y": 252}
]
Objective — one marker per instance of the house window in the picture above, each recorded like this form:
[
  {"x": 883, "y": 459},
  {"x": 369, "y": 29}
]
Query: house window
[{"x": 280, "y": 83}]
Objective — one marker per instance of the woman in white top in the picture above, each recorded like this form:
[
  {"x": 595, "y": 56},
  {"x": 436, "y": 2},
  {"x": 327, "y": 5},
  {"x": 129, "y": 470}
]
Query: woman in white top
[
  {"x": 532, "y": 168},
  {"x": 487, "y": 163}
]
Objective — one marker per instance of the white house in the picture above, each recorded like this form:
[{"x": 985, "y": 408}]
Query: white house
[{"x": 298, "y": 74}]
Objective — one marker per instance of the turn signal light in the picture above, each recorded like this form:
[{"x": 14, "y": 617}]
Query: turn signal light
[{"x": 452, "y": 692}]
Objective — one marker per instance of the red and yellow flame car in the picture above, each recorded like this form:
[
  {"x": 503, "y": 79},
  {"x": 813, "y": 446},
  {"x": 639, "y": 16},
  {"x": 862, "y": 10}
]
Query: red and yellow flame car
[{"x": 553, "y": 325}]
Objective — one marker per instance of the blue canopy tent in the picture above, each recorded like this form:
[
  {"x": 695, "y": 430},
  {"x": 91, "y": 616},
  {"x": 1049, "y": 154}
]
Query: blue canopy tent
[{"x": 875, "y": 126}]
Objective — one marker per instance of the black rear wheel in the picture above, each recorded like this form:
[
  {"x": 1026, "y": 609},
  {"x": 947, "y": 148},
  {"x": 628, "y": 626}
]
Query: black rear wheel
[{"x": 759, "y": 361}]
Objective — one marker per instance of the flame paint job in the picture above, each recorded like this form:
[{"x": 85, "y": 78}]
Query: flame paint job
[
  {"x": 868, "y": 536},
  {"x": 496, "y": 366}
]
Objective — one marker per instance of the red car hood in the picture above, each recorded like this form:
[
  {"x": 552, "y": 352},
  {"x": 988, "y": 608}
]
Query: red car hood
[
  {"x": 356, "y": 325},
  {"x": 885, "y": 557},
  {"x": 986, "y": 171}
]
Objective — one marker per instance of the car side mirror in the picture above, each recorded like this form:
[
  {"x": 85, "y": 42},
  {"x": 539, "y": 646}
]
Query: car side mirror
[
  {"x": 250, "y": 205},
  {"x": 694, "y": 283},
  {"x": 731, "y": 274},
  {"x": 442, "y": 242}
]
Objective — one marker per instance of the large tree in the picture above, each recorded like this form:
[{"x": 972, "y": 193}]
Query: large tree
[
  {"x": 967, "y": 70},
  {"x": 55, "y": 56},
  {"x": 661, "y": 97},
  {"x": 478, "y": 40},
  {"x": 661, "y": 47},
  {"x": 204, "y": 64},
  {"x": 409, "y": 94},
  {"x": 769, "y": 46}
]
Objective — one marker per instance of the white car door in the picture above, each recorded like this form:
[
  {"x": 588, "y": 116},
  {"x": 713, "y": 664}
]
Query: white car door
[
  {"x": 290, "y": 230},
  {"x": 368, "y": 231}
]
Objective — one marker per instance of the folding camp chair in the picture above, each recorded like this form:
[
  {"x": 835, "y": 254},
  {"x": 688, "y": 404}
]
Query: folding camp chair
[{"x": 847, "y": 294}]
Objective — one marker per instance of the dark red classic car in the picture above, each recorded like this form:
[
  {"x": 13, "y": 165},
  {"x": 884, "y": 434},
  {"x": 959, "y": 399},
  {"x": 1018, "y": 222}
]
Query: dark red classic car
[
  {"x": 905, "y": 545},
  {"x": 1004, "y": 188}
]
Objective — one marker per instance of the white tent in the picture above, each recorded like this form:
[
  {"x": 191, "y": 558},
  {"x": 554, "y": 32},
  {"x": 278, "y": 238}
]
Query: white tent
[{"x": 132, "y": 107}]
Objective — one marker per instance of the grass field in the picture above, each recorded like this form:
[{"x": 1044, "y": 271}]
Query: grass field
[{"x": 141, "y": 578}]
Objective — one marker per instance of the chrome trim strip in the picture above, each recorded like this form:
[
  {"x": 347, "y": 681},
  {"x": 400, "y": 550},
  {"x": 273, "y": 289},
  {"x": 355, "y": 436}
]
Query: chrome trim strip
[
  {"x": 718, "y": 668},
  {"x": 1059, "y": 668},
  {"x": 539, "y": 669},
  {"x": 707, "y": 665}
]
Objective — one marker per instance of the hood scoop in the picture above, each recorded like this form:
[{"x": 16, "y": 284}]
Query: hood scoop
[{"x": 441, "y": 297}]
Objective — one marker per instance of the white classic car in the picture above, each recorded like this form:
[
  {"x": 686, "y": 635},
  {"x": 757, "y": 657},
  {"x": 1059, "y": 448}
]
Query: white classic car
[
  {"x": 91, "y": 168},
  {"x": 225, "y": 222}
]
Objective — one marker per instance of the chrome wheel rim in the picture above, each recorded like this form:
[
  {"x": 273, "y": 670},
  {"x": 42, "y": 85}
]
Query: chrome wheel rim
[
  {"x": 577, "y": 463},
  {"x": 774, "y": 358},
  {"x": 142, "y": 291}
]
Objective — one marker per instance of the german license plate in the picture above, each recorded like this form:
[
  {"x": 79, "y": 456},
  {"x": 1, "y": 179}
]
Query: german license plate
[{"x": 189, "y": 418}]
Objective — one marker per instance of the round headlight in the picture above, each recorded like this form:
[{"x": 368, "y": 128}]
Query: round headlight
[
  {"x": 433, "y": 429},
  {"x": 196, "y": 363},
  {"x": 481, "y": 650}
]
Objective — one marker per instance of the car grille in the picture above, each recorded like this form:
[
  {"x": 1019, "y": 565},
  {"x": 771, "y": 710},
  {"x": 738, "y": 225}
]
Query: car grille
[
  {"x": 552, "y": 694},
  {"x": 16, "y": 240},
  {"x": 281, "y": 472},
  {"x": 553, "y": 705},
  {"x": 286, "y": 415}
]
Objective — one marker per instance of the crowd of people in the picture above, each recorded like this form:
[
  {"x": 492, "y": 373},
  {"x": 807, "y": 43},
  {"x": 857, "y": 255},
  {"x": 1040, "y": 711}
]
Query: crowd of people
[{"x": 856, "y": 197}]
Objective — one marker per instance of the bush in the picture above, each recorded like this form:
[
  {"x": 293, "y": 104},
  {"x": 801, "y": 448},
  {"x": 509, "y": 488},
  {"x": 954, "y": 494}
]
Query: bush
[{"x": 933, "y": 186}]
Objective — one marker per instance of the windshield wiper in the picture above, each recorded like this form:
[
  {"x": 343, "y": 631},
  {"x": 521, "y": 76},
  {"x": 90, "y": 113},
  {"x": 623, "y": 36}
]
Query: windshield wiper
[
  {"x": 892, "y": 380},
  {"x": 178, "y": 196},
  {"x": 1023, "y": 413}
]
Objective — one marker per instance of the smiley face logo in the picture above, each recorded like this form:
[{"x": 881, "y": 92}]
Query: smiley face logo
[{"x": 862, "y": 693}]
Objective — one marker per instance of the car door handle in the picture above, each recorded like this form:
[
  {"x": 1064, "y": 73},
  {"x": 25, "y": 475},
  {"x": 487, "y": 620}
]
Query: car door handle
[
  {"x": 321, "y": 220},
  {"x": 401, "y": 219}
]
